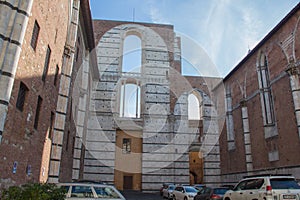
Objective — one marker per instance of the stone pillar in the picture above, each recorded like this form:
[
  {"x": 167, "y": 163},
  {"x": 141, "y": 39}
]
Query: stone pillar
[
  {"x": 247, "y": 140},
  {"x": 14, "y": 17},
  {"x": 295, "y": 87},
  {"x": 210, "y": 147},
  {"x": 63, "y": 95}
]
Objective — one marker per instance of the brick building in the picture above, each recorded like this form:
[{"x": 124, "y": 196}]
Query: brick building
[
  {"x": 37, "y": 50},
  {"x": 262, "y": 106},
  {"x": 87, "y": 111}
]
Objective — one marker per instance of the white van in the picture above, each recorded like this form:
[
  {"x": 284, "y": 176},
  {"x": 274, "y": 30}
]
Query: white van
[{"x": 265, "y": 187}]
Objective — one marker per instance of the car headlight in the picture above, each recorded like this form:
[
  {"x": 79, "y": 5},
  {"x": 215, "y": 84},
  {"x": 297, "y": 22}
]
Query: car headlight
[{"x": 190, "y": 196}]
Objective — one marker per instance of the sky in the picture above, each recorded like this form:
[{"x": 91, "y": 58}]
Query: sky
[{"x": 217, "y": 34}]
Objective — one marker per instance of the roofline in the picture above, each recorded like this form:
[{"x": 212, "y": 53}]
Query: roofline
[
  {"x": 267, "y": 37},
  {"x": 86, "y": 14},
  {"x": 134, "y": 22}
]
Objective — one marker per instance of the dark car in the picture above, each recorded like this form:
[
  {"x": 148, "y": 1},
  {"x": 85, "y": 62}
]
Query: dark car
[{"x": 211, "y": 193}]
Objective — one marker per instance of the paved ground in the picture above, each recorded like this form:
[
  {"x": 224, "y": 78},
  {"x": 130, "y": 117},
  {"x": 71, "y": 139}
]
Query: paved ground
[{"x": 135, "y": 195}]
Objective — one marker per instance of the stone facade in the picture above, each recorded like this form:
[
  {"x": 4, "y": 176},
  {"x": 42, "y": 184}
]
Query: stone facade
[
  {"x": 166, "y": 132},
  {"x": 262, "y": 96}
]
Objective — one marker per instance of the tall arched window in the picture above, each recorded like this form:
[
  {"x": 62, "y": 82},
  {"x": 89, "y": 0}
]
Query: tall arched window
[
  {"x": 130, "y": 100},
  {"x": 132, "y": 54},
  {"x": 194, "y": 107},
  {"x": 265, "y": 88}
]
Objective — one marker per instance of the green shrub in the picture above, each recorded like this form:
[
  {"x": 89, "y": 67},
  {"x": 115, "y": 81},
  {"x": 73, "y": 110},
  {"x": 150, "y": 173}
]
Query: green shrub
[{"x": 34, "y": 191}]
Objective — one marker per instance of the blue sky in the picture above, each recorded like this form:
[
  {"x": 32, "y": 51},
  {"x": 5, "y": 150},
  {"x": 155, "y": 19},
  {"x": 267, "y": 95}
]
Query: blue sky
[{"x": 223, "y": 30}]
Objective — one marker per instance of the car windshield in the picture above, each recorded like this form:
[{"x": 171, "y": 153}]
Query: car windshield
[
  {"x": 190, "y": 189},
  {"x": 220, "y": 191},
  {"x": 106, "y": 192},
  {"x": 284, "y": 183},
  {"x": 171, "y": 187}
]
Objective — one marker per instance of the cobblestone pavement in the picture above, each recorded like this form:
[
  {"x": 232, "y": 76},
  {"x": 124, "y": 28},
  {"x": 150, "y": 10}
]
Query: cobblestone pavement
[{"x": 135, "y": 195}]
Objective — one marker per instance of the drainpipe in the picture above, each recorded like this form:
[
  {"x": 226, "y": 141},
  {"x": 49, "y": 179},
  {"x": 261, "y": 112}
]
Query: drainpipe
[{"x": 11, "y": 39}]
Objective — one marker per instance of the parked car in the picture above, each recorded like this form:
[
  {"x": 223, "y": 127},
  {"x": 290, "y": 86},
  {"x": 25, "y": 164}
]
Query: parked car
[
  {"x": 91, "y": 191},
  {"x": 168, "y": 192},
  {"x": 199, "y": 186},
  {"x": 211, "y": 193},
  {"x": 164, "y": 186},
  {"x": 184, "y": 193},
  {"x": 265, "y": 187}
]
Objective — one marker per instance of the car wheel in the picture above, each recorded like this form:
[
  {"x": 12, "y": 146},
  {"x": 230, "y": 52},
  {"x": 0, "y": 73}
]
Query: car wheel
[
  {"x": 174, "y": 197},
  {"x": 185, "y": 198}
]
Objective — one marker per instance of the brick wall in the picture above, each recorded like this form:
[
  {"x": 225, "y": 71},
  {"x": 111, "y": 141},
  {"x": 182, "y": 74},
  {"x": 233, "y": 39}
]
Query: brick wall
[{"x": 22, "y": 143}]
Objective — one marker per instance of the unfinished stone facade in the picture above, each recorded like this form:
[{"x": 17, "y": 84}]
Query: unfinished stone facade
[
  {"x": 262, "y": 107},
  {"x": 153, "y": 145}
]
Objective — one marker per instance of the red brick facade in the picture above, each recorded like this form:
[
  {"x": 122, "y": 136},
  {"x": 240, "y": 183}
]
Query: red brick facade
[
  {"x": 281, "y": 48},
  {"x": 22, "y": 143}
]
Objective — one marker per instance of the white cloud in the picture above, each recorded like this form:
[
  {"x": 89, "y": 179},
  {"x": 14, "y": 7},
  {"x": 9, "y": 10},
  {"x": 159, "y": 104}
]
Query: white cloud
[{"x": 156, "y": 16}]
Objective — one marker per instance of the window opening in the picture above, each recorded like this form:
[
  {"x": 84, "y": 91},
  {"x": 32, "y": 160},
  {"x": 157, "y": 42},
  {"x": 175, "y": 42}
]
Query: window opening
[
  {"x": 265, "y": 87},
  {"x": 35, "y": 35},
  {"x": 46, "y": 65},
  {"x": 23, "y": 90},
  {"x": 130, "y": 101},
  {"x": 132, "y": 54},
  {"x": 37, "y": 112},
  {"x": 194, "y": 107},
  {"x": 126, "y": 147}
]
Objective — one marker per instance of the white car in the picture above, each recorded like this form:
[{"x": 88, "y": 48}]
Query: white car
[
  {"x": 184, "y": 193},
  {"x": 265, "y": 187},
  {"x": 76, "y": 191},
  {"x": 168, "y": 192}
]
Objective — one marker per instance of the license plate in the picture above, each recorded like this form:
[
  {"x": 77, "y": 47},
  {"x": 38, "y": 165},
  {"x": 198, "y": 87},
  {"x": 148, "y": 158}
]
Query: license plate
[{"x": 289, "y": 196}]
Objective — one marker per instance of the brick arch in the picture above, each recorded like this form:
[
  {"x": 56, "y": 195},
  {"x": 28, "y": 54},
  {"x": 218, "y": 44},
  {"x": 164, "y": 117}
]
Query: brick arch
[{"x": 297, "y": 40}]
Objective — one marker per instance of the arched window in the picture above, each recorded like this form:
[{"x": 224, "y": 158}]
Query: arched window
[
  {"x": 194, "y": 107},
  {"x": 132, "y": 54},
  {"x": 130, "y": 100},
  {"x": 265, "y": 88}
]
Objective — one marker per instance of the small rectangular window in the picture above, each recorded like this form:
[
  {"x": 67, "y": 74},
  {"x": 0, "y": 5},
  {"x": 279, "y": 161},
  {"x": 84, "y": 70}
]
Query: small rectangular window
[
  {"x": 46, "y": 64},
  {"x": 35, "y": 35},
  {"x": 23, "y": 90},
  {"x": 126, "y": 147},
  {"x": 56, "y": 75},
  {"x": 52, "y": 117},
  {"x": 37, "y": 112},
  {"x": 67, "y": 141}
]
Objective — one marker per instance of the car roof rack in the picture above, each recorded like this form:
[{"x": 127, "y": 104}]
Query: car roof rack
[{"x": 261, "y": 175}]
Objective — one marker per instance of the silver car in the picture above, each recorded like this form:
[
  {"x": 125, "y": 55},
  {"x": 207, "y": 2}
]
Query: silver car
[{"x": 85, "y": 191}]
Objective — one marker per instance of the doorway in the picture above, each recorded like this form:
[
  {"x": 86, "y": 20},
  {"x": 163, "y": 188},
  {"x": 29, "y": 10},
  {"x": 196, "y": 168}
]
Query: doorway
[
  {"x": 196, "y": 167},
  {"x": 127, "y": 182}
]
